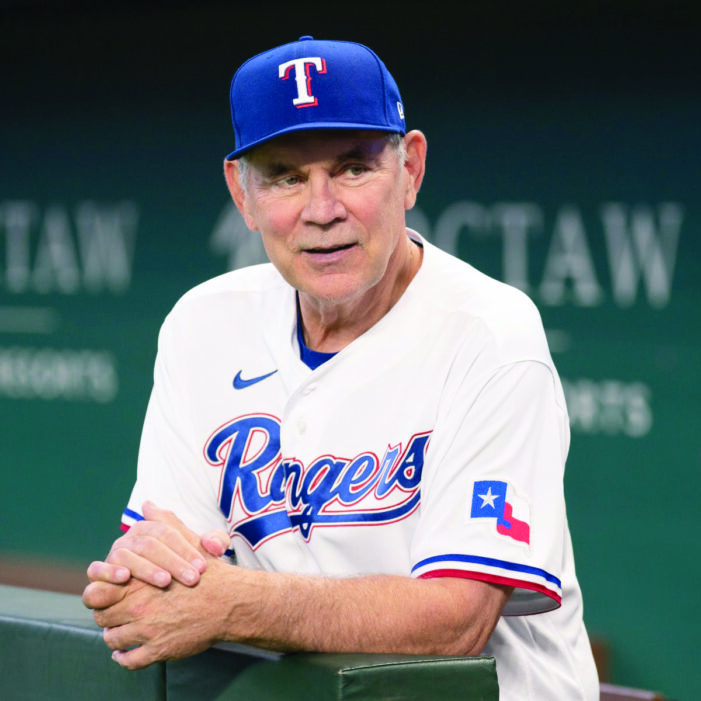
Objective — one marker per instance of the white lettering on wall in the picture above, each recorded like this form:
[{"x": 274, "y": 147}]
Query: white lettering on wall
[
  {"x": 569, "y": 264},
  {"x": 639, "y": 244},
  {"x": 516, "y": 221},
  {"x": 233, "y": 239},
  {"x": 609, "y": 407},
  {"x": 56, "y": 263},
  {"x": 58, "y": 374},
  {"x": 59, "y": 251},
  {"x": 106, "y": 237},
  {"x": 642, "y": 245}
]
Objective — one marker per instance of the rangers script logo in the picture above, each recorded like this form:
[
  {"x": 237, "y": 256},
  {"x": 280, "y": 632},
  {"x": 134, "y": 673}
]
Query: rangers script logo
[{"x": 264, "y": 494}]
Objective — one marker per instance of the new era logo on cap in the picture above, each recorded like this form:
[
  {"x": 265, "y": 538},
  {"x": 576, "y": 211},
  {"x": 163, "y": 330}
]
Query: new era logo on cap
[{"x": 310, "y": 84}]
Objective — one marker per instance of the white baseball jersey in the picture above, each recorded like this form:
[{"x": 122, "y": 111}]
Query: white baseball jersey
[{"x": 432, "y": 445}]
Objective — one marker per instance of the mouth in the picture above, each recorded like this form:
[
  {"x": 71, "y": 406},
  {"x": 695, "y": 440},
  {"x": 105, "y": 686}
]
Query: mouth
[{"x": 328, "y": 250}]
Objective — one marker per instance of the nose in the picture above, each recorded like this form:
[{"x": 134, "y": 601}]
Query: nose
[{"x": 322, "y": 205}]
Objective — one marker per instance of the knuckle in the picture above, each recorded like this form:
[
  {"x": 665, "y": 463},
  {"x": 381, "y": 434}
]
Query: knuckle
[
  {"x": 92, "y": 598},
  {"x": 93, "y": 568},
  {"x": 117, "y": 555},
  {"x": 123, "y": 554},
  {"x": 96, "y": 571},
  {"x": 124, "y": 538},
  {"x": 162, "y": 531},
  {"x": 135, "y": 530},
  {"x": 132, "y": 664},
  {"x": 110, "y": 640},
  {"x": 155, "y": 530}
]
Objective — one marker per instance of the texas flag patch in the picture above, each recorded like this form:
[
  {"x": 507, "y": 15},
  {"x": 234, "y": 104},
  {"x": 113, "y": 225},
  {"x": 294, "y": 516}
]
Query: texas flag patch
[{"x": 498, "y": 500}]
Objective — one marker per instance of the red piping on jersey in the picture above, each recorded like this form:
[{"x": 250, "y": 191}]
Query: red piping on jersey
[{"x": 494, "y": 579}]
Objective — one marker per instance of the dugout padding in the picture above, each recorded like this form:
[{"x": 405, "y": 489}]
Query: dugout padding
[{"x": 50, "y": 647}]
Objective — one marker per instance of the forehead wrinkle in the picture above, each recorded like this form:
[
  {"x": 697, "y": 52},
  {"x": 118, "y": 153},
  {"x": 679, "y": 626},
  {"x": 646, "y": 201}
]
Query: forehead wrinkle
[
  {"x": 359, "y": 152},
  {"x": 273, "y": 169}
]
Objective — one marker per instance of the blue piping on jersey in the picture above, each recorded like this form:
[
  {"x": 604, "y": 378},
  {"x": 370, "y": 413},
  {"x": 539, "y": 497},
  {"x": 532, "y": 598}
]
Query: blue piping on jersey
[
  {"x": 133, "y": 514},
  {"x": 491, "y": 562}
]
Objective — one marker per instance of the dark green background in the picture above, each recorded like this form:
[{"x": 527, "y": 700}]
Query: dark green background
[{"x": 557, "y": 107}]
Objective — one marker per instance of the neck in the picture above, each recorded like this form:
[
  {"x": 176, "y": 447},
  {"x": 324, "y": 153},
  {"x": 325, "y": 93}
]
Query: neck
[{"x": 329, "y": 326}]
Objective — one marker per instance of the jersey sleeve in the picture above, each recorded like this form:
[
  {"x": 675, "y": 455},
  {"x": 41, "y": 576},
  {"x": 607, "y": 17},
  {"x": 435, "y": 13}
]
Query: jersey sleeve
[
  {"x": 169, "y": 470},
  {"x": 493, "y": 504}
]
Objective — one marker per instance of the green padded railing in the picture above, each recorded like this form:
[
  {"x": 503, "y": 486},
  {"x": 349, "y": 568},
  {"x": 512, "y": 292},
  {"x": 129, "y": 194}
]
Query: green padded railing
[{"x": 50, "y": 648}]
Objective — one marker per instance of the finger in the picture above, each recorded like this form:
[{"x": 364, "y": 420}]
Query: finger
[
  {"x": 152, "y": 512},
  {"x": 130, "y": 649},
  {"x": 100, "y": 595},
  {"x": 121, "y": 637},
  {"x": 178, "y": 538},
  {"x": 99, "y": 571},
  {"x": 216, "y": 542},
  {"x": 176, "y": 534},
  {"x": 154, "y": 552},
  {"x": 158, "y": 567},
  {"x": 136, "y": 658},
  {"x": 119, "y": 604}
]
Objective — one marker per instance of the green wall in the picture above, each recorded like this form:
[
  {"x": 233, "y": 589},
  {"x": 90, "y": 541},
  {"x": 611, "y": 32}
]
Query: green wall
[{"x": 564, "y": 157}]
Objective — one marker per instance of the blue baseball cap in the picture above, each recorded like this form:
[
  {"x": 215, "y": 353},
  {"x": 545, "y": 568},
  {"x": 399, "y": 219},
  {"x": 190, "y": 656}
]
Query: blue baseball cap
[{"x": 312, "y": 84}]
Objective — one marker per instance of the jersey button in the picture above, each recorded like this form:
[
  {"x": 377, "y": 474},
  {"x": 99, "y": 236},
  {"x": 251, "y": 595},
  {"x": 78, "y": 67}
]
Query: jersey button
[
  {"x": 308, "y": 390},
  {"x": 301, "y": 426}
]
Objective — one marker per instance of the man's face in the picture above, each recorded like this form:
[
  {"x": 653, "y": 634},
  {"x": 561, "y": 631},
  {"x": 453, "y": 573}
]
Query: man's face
[{"x": 330, "y": 208}]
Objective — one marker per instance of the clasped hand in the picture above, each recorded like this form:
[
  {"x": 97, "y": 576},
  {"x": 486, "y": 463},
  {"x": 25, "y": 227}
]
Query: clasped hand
[{"x": 156, "y": 592}]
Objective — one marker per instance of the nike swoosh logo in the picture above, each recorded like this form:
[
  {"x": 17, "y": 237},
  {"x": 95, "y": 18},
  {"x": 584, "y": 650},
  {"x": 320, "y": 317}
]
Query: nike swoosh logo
[{"x": 241, "y": 383}]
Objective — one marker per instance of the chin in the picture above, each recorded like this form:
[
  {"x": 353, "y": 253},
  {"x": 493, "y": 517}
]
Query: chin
[{"x": 338, "y": 292}]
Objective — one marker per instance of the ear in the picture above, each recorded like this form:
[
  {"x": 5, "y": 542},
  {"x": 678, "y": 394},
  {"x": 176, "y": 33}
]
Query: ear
[
  {"x": 238, "y": 193},
  {"x": 415, "y": 165}
]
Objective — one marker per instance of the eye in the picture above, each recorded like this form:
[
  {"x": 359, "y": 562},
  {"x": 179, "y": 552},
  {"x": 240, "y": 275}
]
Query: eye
[
  {"x": 355, "y": 170},
  {"x": 288, "y": 180}
]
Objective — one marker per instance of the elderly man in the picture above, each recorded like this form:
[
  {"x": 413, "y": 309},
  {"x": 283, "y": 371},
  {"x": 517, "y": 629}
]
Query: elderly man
[{"x": 359, "y": 446}]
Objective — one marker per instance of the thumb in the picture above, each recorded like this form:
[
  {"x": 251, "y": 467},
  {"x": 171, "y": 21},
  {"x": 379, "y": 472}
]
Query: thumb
[
  {"x": 152, "y": 512},
  {"x": 215, "y": 542}
]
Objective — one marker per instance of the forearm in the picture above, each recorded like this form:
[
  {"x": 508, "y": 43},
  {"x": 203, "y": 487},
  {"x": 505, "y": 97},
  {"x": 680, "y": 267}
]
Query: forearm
[
  {"x": 363, "y": 614},
  {"x": 146, "y": 621}
]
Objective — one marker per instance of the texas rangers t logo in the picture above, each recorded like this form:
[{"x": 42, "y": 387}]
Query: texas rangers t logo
[{"x": 303, "y": 78}]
